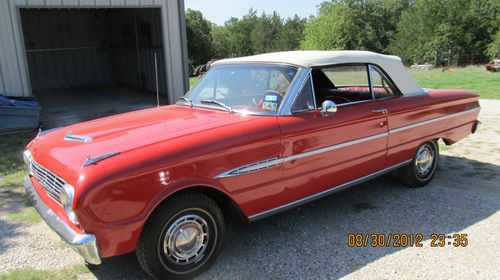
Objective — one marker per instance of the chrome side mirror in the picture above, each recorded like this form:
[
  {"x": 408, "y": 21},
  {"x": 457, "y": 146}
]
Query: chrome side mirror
[{"x": 328, "y": 108}]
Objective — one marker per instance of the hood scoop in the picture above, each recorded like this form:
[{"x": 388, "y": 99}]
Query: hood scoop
[{"x": 77, "y": 138}]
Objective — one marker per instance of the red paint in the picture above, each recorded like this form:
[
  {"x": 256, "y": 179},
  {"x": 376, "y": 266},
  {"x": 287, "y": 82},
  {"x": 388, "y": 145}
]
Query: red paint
[{"x": 190, "y": 146}]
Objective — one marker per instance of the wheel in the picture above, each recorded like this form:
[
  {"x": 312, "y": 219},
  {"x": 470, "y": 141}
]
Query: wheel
[
  {"x": 422, "y": 168},
  {"x": 182, "y": 238}
]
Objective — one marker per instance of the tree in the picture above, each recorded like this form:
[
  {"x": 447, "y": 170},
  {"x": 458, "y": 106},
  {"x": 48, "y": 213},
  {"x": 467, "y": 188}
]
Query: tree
[
  {"x": 220, "y": 42},
  {"x": 494, "y": 46},
  {"x": 450, "y": 29},
  {"x": 199, "y": 38},
  {"x": 254, "y": 34},
  {"x": 265, "y": 33},
  {"x": 354, "y": 24},
  {"x": 292, "y": 33}
]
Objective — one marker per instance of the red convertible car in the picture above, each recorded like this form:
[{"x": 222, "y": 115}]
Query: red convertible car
[{"x": 257, "y": 135}]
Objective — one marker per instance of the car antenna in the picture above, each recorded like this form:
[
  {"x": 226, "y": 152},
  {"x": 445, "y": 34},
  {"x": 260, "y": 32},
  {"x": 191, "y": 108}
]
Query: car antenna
[{"x": 156, "y": 80}]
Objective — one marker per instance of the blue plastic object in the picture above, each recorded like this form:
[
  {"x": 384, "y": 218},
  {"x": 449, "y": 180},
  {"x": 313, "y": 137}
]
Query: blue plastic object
[{"x": 18, "y": 114}]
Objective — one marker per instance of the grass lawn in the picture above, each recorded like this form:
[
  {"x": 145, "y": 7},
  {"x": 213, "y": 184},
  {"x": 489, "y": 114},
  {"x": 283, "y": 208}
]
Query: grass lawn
[
  {"x": 193, "y": 81},
  {"x": 12, "y": 171},
  {"x": 475, "y": 78},
  {"x": 33, "y": 274}
]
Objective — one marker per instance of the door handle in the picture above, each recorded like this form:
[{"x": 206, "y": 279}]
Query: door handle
[{"x": 382, "y": 110}]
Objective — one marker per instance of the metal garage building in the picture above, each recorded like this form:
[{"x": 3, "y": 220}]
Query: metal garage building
[{"x": 54, "y": 44}]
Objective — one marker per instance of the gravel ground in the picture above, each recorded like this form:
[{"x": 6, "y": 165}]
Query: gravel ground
[{"x": 311, "y": 241}]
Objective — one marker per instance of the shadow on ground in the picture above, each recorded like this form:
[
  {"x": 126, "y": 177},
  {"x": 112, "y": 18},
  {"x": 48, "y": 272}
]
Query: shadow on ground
[{"x": 311, "y": 241}]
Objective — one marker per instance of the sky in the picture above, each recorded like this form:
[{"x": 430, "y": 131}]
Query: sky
[{"x": 218, "y": 11}]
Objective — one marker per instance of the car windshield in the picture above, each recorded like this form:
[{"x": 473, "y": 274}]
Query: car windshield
[{"x": 253, "y": 89}]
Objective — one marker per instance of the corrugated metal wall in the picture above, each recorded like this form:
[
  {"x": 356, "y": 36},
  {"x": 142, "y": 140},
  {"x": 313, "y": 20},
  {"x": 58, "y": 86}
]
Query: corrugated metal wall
[
  {"x": 66, "y": 48},
  {"x": 135, "y": 36},
  {"x": 14, "y": 74},
  {"x": 75, "y": 47}
]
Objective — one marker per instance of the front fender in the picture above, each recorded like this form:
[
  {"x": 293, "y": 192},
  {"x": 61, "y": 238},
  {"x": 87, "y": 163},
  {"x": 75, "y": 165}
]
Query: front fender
[{"x": 117, "y": 213}]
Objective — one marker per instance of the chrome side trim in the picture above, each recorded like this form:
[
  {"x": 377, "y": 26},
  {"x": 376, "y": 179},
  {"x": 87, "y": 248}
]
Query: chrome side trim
[
  {"x": 77, "y": 138},
  {"x": 395, "y": 130},
  {"x": 324, "y": 193},
  {"x": 92, "y": 160},
  {"x": 272, "y": 162},
  {"x": 252, "y": 167},
  {"x": 355, "y": 102},
  {"x": 85, "y": 244},
  {"x": 334, "y": 147}
]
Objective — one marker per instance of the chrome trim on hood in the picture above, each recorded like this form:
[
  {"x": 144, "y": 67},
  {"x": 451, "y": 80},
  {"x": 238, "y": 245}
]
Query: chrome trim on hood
[
  {"x": 77, "y": 138},
  {"x": 43, "y": 132},
  {"x": 91, "y": 160}
]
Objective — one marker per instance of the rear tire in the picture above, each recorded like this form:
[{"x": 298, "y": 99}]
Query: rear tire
[
  {"x": 420, "y": 171},
  {"x": 182, "y": 238}
]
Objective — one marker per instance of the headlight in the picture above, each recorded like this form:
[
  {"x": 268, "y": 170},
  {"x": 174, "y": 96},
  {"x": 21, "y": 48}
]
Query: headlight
[{"x": 66, "y": 198}]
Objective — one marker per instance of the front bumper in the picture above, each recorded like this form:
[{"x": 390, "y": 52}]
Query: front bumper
[{"x": 84, "y": 244}]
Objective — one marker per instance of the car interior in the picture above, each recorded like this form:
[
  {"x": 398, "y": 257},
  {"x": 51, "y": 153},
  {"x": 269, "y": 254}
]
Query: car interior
[{"x": 346, "y": 84}]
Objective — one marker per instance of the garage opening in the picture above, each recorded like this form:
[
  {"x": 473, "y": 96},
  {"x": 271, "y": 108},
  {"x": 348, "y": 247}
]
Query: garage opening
[{"x": 89, "y": 63}]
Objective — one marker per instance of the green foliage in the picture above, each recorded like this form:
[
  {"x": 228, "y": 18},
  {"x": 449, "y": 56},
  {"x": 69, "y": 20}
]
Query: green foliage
[
  {"x": 449, "y": 31},
  {"x": 252, "y": 34},
  {"x": 33, "y": 274},
  {"x": 292, "y": 33},
  {"x": 494, "y": 46},
  {"x": 199, "y": 39},
  {"x": 25, "y": 215},
  {"x": 445, "y": 28},
  {"x": 354, "y": 24},
  {"x": 12, "y": 167}
]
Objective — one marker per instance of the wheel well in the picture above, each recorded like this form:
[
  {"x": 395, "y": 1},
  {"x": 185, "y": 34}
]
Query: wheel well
[{"x": 229, "y": 208}]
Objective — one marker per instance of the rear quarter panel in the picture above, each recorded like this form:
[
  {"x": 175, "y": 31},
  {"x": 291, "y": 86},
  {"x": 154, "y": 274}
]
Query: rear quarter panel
[{"x": 446, "y": 114}]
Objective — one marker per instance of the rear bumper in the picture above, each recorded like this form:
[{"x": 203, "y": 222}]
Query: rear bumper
[{"x": 84, "y": 244}]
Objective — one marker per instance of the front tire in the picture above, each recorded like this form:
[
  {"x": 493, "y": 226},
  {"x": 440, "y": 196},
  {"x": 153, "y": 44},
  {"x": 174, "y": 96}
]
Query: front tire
[
  {"x": 182, "y": 238},
  {"x": 420, "y": 171}
]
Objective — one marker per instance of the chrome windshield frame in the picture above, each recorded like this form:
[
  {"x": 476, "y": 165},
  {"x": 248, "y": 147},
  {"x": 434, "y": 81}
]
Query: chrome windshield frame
[{"x": 288, "y": 99}]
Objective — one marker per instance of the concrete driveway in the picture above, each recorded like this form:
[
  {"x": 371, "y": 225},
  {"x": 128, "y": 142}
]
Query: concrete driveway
[{"x": 311, "y": 241}]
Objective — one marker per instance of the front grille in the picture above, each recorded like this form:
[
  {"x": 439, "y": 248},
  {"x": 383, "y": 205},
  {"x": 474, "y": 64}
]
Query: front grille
[{"x": 52, "y": 183}]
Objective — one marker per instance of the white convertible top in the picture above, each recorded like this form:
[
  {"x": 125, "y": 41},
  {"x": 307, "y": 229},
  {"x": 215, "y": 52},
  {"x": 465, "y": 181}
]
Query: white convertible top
[{"x": 392, "y": 65}]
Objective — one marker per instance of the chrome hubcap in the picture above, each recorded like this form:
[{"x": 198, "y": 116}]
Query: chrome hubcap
[
  {"x": 186, "y": 240},
  {"x": 424, "y": 160}
]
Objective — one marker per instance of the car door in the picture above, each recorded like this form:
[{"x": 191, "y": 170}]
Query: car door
[{"x": 322, "y": 152}]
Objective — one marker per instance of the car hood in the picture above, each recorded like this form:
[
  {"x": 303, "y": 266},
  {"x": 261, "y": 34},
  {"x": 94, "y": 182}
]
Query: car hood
[{"x": 66, "y": 147}]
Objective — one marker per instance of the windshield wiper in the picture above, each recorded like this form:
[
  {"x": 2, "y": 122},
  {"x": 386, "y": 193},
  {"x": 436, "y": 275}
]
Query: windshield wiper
[
  {"x": 187, "y": 100},
  {"x": 211, "y": 101}
]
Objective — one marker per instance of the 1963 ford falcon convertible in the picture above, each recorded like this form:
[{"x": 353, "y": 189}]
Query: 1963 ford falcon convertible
[{"x": 258, "y": 135}]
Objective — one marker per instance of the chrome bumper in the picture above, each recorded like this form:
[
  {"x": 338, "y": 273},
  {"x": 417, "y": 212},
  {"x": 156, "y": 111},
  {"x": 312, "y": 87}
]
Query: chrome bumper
[{"x": 84, "y": 244}]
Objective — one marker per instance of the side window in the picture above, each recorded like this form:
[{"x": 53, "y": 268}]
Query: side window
[
  {"x": 347, "y": 76},
  {"x": 342, "y": 84},
  {"x": 382, "y": 87},
  {"x": 305, "y": 98}
]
